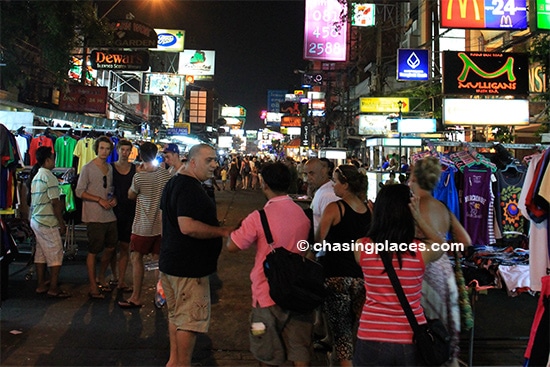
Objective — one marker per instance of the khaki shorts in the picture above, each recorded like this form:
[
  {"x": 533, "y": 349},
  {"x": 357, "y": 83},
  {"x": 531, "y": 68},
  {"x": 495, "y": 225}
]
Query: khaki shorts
[
  {"x": 284, "y": 331},
  {"x": 188, "y": 302},
  {"x": 49, "y": 246},
  {"x": 101, "y": 236}
]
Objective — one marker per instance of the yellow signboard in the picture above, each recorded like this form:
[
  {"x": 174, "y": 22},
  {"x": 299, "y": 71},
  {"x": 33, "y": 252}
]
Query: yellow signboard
[
  {"x": 184, "y": 125},
  {"x": 384, "y": 104}
]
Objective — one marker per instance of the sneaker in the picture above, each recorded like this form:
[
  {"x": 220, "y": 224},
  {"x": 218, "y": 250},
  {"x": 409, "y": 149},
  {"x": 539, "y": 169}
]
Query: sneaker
[{"x": 160, "y": 298}]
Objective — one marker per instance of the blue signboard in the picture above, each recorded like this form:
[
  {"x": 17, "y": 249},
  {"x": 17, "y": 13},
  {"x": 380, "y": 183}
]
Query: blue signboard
[
  {"x": 413, "y": 64},
  {"x": 177, "y": 131},
  {"x": 274, "y": 97}
]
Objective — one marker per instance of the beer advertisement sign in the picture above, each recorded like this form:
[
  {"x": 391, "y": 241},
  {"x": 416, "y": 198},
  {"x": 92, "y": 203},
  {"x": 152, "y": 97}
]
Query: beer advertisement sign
[
  {"x": 485, "y": 73},
  {"x": 484, "y": 14}
]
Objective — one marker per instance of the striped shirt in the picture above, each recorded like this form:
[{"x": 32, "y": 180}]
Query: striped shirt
[
  {"x": 148, "y": 187},
  {"x": 383, "y": 318},
  {"x": 44, "y": 188}
]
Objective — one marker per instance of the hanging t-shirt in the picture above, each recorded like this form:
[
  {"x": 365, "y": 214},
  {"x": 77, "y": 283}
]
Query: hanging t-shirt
[
  {"x": 509, "y": 217},
  {"x": 84, "y": 150},
  {"x": 113, "y": 157},
  {"x": 64, "y": 149},
  {"x": 477, "y": 200},
  {"x": 37, "y": 142},
  {"x": 446, "y": 191}
]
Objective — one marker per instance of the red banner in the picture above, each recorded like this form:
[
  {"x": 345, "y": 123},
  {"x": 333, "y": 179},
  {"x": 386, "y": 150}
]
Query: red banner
[{"x": 80, "y": 98}]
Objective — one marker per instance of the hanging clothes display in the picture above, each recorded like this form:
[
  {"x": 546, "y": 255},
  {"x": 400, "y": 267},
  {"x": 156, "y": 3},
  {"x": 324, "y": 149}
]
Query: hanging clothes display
[
  {"x": 477, "y": 200},
  {"x": 84, "y": 150},
  {"x": 537, "y": 351},
  {"x": 37, "y": 142},
  {"x": 508, "y": 187},
  {"x": 538, "y": 228},
  {"x": 9, "y": 161},
  {"x": 446, "y": 191},
  {"x": 64, "y": 149}
]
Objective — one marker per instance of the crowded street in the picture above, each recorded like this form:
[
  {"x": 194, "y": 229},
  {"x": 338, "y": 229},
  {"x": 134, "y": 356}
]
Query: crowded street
[{"x": 79, "y": 331}]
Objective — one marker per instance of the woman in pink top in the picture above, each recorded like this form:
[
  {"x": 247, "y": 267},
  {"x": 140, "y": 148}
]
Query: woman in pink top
[{"x": 384, "y": 337}]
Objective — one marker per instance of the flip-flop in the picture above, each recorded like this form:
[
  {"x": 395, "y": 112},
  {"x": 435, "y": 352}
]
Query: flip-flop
[
  {"x": 60, "y": 294},
  {"x": 128, "y": 305},
  {"x": 96, "y": 295},
  {"x": 104, "y": 287},
  {"x": 125, "y": 289}
]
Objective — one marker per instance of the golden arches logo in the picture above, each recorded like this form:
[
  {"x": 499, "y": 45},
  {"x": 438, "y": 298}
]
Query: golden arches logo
[
  {"x": 463, "y": 6},
  {"x": 507, "y": 68}
]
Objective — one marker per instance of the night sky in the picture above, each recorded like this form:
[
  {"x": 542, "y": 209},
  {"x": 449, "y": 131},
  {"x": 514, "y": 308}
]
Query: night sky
[{"x": 258, "y": 44}]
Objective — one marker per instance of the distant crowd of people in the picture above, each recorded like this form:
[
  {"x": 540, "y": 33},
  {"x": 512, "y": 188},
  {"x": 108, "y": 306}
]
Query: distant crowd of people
[{"x": 133, "y": 210}]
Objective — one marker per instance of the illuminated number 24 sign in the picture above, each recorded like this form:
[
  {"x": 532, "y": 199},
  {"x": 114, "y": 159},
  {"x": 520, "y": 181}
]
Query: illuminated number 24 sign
[
  {"x": 484, "y": 14},
  {"x": 325, "y": 35}
]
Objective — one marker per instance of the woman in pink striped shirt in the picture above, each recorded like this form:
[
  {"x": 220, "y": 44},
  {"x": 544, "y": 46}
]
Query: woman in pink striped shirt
[{"x": 384, "y": 337}]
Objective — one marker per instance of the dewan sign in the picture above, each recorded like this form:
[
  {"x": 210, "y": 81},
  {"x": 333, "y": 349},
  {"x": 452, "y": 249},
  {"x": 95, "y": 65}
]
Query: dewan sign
[
  {"x": 485, "y": 73},
  {"x": 484, "y": 14},
  {"x": 325, "y": 34}
]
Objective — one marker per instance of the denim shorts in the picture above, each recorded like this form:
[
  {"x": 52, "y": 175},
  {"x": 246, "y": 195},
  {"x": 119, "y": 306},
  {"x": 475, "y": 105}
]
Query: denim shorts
[{"x": 372, "y": 353}]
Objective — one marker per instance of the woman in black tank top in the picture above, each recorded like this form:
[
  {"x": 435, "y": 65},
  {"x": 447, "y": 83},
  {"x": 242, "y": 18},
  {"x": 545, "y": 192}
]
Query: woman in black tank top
[{"x": 341, "y": 224}]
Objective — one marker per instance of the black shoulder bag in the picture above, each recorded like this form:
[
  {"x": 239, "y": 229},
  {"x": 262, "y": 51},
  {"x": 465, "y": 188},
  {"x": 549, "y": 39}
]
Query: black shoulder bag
[
  {"x": 432, "y": 340},
  {"x": 296, "y": 283}
]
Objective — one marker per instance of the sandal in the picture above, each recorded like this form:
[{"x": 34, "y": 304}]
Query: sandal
[
  {"x": 60, "y": 294},
  {"x": 96, "y": 295},
  {"x": 104, "y": 287}
]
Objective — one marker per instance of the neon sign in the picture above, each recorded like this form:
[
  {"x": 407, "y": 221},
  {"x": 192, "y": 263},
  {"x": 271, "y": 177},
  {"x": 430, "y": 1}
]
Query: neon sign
[
  {"x": 484, "y": 14},
  {"x": 485, "y": 73},
  {"x": 325, "y": 36}
]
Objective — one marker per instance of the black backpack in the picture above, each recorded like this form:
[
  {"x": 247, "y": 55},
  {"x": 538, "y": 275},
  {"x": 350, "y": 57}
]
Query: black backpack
[{"x": 296, "y": 283}]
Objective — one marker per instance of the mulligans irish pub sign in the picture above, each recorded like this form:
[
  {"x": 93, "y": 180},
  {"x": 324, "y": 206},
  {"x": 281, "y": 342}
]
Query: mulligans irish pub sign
[{"x": 485, "y": 73}]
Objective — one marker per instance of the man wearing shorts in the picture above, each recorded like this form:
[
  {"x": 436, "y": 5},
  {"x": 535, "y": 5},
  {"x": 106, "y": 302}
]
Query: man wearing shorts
[
  {"x": 191, "y": 244},
  {"x": 276, "y": 335},
  {"x": 47, "y": 223},
  {"x": 95, "y": 188},
  {"x": 146, "y": 189}
]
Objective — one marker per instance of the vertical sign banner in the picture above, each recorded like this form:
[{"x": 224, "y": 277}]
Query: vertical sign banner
[
  {"x": 325, "y": 33},
  {"x": 413, "y": 64},
  {"x": 484, "y": 14},
  {"x": 485, "y": 73}
]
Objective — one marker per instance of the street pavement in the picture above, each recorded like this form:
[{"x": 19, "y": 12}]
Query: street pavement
[{"x": 41, "y": 331}]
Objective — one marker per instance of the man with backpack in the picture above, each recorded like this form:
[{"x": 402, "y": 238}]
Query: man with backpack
[{"x": 276, "y": 334}]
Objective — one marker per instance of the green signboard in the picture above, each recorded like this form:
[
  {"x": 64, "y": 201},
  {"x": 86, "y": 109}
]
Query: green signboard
[{"x": 540, "y": 18}]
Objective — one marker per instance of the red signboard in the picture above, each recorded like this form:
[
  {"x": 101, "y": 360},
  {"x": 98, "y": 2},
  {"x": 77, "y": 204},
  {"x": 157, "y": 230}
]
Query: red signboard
[
  {"x": 291, "y": 121},
  {"x": 80, "y": 98}
]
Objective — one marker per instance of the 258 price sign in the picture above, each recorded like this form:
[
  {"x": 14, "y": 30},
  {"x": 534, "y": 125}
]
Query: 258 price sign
[{"x": 325, "y": 35}]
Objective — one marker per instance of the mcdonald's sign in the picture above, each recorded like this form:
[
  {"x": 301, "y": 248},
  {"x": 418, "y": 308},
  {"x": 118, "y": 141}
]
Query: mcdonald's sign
[
  {"x": 484, "y": 14},
  {"x": 485, "y": 73}
]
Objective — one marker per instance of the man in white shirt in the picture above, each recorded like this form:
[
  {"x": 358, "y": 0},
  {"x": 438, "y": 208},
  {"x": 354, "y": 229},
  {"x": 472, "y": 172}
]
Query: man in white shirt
[{"x": 319, "y": 182}]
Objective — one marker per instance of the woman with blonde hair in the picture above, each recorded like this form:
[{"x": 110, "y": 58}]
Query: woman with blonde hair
[{"x": 439, "y": 290}]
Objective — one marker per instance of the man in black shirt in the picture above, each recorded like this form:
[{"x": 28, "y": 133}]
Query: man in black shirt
[{"x": 191, "y": 244}]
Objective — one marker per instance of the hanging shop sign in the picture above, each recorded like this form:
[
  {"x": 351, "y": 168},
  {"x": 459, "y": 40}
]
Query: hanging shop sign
[
  {"x": 374, "y": 124},
  {"x": 405, "y": 126},
  {"x": 290, "y": 108},
  {"x": 487, "y": 112},
  {"x": 485, "y": 73},
  {"x": 120, "y": 60},
  {"x": 274, "y": 98},
  {"x": 169, "y": 40},
  {"x": 80, "y": 98},
  {"x": 291, "y": 121},
  {"x": 539, "y": 15},
  {"x": 163, "y": 84},
  {"x": 129, "y": 34},
  {"x": 413, "y": 64},
  {"x": 484, "y": 14},
  {"x": 537, "y": 79},
  {"x": 197, "y": 62},
  {"x": 362, "y": 14},
  {"x": 325, "y": 32},
  {"x": 384, "y": 104}
]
